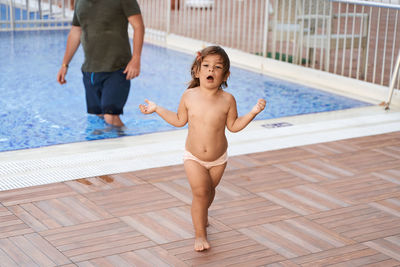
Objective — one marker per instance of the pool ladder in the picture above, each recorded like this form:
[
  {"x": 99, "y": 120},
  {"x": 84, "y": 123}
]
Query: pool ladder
[{"x": 392, "y": 82}]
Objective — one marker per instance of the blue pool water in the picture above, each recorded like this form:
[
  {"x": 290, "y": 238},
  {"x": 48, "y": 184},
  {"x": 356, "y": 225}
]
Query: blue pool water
[{"x": 36, "y": 111}]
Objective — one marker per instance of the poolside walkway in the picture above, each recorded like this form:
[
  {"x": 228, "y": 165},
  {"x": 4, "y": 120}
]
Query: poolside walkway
[{"x": 335, "y": 203}]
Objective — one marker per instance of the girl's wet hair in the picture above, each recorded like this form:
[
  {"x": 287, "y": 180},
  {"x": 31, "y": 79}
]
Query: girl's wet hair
[{"x": 210, "y": 50}]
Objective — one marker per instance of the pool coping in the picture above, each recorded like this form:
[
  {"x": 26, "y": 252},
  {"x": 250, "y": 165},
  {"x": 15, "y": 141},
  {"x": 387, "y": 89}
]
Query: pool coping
[{"x": 30, "y": 167}]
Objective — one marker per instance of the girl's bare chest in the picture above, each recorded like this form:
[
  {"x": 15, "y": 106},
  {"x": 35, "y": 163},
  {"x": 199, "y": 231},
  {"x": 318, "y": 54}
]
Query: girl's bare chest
[{"x": 208, "y": 109}]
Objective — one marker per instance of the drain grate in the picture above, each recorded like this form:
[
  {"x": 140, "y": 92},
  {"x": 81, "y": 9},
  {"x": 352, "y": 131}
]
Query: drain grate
[{"x": 27, "y": 173}]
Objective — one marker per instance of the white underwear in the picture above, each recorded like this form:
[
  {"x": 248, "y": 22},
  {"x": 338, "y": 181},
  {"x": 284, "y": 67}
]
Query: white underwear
[{"x": 206, "y": 164}]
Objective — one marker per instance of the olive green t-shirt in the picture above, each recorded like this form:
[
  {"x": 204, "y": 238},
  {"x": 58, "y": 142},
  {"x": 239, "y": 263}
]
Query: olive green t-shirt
[{"x": 104, "y": 39}]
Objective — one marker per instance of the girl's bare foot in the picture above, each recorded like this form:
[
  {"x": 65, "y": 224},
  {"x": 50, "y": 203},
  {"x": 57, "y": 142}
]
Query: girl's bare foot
[{"x": 201, "y": 244}]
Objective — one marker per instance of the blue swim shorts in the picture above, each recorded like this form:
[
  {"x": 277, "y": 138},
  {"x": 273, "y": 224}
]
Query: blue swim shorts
[{"x": 106, "y": 92}]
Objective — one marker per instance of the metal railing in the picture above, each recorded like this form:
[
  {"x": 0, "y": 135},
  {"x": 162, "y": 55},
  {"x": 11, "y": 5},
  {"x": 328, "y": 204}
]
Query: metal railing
[
  {"x": 18, "y": 15},
  {"x": 357, "y": 39}
]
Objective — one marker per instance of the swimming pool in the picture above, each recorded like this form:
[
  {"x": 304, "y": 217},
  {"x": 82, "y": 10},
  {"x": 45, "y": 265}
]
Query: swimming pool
[{"x": 37, "y": 111}]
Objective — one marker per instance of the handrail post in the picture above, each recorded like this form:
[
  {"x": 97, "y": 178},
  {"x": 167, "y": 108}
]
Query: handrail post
[
  {"x": 266, "y": 26},
  {"x": 12, "y": 18},
  {"x": 63, "y": 8},
  {"x": 169, "y": 7},
  {"x": 40, "y": 9},
  {"x": 392, "y": 82}
]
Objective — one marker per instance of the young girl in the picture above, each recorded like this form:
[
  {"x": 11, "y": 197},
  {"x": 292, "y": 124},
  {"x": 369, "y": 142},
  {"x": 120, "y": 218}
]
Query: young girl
[{"x": 207, "y": 109}]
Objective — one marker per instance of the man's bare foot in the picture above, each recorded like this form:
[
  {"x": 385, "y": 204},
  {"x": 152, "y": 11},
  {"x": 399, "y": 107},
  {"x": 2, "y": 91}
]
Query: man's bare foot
[
  {"x": 113, "y": 120},
  {"x": 201, "y": 244}
]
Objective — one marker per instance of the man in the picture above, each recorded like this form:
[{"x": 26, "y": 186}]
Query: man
[{"x": 102, "y": 28}]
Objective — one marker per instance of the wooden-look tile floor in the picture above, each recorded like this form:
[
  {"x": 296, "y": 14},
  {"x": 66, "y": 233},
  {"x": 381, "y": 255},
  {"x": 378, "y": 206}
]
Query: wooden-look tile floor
[{"x": 335, "y": 204}]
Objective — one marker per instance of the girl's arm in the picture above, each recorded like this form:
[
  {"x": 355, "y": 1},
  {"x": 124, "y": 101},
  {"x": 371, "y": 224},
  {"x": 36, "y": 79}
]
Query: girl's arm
[
  {"x": 177, "y": 119},
  {"x": 235, "y": 124}
]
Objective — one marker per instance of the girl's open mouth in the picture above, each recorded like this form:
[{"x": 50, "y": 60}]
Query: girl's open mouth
[{"x": 210, "y": 78}]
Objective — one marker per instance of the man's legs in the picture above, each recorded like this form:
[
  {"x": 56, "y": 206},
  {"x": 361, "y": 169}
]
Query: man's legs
[
  {"x": 115, "y": 94},
  {"x": 93, "y": 92}
]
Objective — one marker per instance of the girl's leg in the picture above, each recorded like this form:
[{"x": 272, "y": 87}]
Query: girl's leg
[
  {"x": 201, "y": 185},
  {"x": 216, "y": 175}
]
